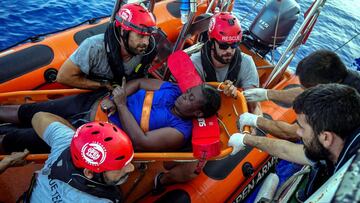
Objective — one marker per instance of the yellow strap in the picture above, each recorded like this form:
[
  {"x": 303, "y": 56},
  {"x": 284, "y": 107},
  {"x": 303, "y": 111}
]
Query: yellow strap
[
  {"x": 137, "y": 67},
  {"x": 145, "y": 116}
]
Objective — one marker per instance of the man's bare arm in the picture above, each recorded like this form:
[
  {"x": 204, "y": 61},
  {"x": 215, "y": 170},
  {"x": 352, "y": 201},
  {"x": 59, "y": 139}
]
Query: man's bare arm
[
  {"x": 71, "y": 75},
  {"x": 279, "y": 148},
  {"x": 279, "y": 129},
  {"x": 286, "y": 96},
  {"x": 42, "y": 120}
]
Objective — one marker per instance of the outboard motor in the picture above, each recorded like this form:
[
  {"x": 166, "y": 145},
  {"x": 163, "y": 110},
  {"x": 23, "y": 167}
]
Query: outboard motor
[{"x": 261, "y": 33}]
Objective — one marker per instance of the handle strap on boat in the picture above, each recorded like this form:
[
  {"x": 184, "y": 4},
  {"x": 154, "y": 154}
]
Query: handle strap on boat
[
  {"x": 201, "y": 163},
  {"x": 25, "y": 197}
]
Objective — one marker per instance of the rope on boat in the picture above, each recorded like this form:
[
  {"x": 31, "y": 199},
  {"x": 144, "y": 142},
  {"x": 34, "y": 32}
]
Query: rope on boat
[
  {"x": 357, "y": 34},
  {"x": 224, "y": 126},
  {"x": 235, "y": 111},
  {"x": 36, "y": 37}
]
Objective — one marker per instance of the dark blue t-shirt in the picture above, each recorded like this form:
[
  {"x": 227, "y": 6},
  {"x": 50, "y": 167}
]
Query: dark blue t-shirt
[{"x": 160, "y": 115}]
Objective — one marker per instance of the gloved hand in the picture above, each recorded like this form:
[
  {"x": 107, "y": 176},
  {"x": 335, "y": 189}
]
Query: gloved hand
[
  {"x": 236, "y": 141},
  {"x": 247, "y": 119},
  {"x": 256, "y": 95}
]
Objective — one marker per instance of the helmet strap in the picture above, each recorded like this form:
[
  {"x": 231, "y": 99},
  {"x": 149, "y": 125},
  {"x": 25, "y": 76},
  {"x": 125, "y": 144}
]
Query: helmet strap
[
  {"x": 99, "y": 178},
  {"x": 64, "y": 169}
]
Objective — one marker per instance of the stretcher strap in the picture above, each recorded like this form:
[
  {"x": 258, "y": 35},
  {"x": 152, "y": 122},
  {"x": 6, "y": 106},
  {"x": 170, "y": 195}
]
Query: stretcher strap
[{"x": 145, "y": 116}]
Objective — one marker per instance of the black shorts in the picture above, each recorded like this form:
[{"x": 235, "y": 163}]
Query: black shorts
[
  {"x": 17, "y": 139},
  {"x": 70, "y": 107},
  {"x": 76, "y": 109}
]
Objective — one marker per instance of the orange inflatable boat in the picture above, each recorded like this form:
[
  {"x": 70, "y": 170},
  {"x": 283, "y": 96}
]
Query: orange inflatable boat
[{"x": 223, "y": 179}]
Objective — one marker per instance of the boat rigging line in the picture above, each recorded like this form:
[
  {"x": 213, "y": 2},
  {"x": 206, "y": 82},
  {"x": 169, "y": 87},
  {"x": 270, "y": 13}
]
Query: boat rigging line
[{"x": 341, "y": 46}]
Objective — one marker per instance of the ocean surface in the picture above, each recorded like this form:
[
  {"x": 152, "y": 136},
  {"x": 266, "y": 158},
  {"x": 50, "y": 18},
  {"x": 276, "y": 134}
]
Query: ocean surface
[{"x": 339, "y": 22}]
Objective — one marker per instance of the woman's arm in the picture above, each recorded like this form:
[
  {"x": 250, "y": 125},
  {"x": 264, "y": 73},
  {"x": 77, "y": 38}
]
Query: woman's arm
[
  {"x": 164, "y": 139},
  {"x": 143, "y": 83}
]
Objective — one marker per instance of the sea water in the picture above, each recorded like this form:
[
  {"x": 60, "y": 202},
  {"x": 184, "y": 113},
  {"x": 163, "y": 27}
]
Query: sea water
[{"x": 339, "y": 21}]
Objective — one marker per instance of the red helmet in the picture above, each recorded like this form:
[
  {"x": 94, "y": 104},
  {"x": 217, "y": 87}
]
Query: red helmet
[
  {"x": 225, "y": 27},
  {"x": 134, "y": 17},
  {"x": 99, "y": 147}
]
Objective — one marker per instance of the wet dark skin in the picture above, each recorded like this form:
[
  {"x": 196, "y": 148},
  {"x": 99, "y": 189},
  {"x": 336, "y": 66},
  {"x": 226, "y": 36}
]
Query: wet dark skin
[{"x": 163, "y": 139}]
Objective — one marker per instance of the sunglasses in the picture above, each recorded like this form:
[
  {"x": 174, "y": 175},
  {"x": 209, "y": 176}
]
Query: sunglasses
[
  {"x": 225, "y": 46},
  {"x": 145, "y": 30}
]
